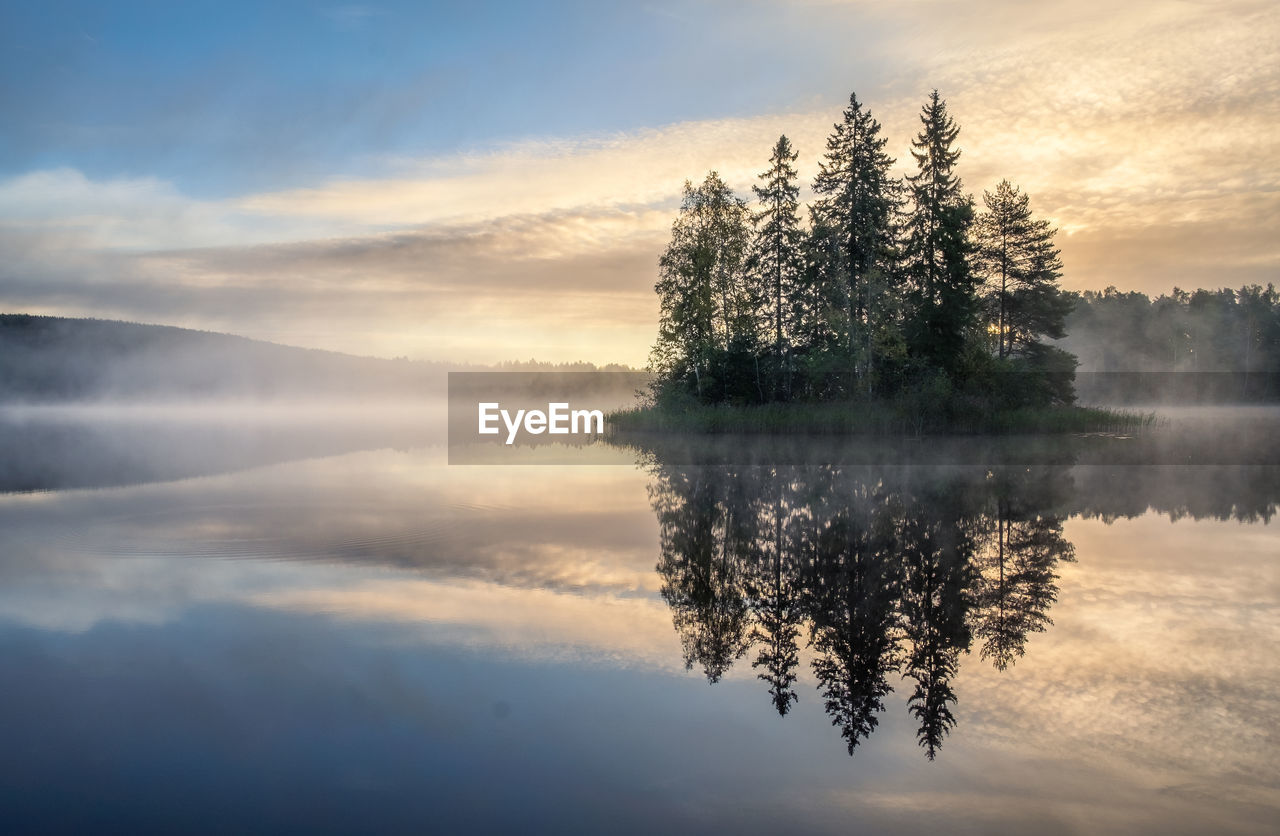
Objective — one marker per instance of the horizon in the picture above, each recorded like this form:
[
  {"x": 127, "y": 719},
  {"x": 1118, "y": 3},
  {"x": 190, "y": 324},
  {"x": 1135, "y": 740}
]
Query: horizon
[{"x": 457, "y": 189}]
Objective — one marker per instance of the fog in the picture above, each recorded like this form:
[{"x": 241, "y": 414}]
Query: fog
[
  {"x": 89, "y": 445},
  {"x": 50, "y": 360},
  {"x": 476, "y": 615},
  {"x": 246, "y": 583}
]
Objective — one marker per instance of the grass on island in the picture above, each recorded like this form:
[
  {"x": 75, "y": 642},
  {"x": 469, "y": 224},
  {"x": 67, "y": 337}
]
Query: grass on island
[{"x": 873, "y": 418}]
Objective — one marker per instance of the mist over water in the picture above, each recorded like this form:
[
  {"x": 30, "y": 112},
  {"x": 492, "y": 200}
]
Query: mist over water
[
  {"x": 105, "y": 444},
  {"x": 302, "y": 606}
]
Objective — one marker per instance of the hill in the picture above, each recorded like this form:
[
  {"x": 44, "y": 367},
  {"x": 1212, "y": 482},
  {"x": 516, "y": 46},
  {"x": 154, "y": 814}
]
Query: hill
[{"x": 51, "y": 359}]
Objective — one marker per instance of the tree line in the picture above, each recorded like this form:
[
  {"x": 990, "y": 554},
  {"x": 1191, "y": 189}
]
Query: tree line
[
  {"x": 894, "y": 285},
  {"x": 1199, "y": 331}
]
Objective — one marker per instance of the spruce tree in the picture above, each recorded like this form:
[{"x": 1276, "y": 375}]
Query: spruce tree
[
  {"x": 937, "y": 248},
  {"x": 816, "y": 310},
  {"x": 857, "y": 208},
  {"x": 776, "y": 261}
]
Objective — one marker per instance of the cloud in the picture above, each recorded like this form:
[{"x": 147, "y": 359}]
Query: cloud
[
  {"x": 646, "y": 168},
  {"x": 531, "y": 623},
  {"x": 557, "y": 286},
  {"x": 1140, "y": 130},
  {"x": 1151, "y": 667},
  {"x": 349, "y": 17},
  {"x": 131, "y": 213}
]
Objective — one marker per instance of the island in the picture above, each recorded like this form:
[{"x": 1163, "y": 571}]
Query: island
[{"x": 901, "y": 307}]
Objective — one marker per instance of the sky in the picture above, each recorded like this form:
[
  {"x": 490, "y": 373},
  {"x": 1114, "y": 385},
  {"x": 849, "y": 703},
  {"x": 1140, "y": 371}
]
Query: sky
[{"x": 489, "y": 181}]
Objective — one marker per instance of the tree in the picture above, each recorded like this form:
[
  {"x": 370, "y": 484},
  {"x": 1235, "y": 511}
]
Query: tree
[
  {"x": 775, "y": 593},
  {"x": 938, "y": 248},
  {"x": 775, "y": 257},
  {"x": 1021, "y": 267},
  {"x": 704, "y": 300},
  {"x": 857, "y": 209},
  {"x": 701, "y": 565}
]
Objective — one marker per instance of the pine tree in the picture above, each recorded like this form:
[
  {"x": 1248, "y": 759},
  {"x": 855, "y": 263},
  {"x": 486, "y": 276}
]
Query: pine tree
[
  {"x": 937, "y": 248},
  {"x": 857, "y": 208},
  {"x": 1021, "y": 268},
  {"x": 776, "y": 260}
]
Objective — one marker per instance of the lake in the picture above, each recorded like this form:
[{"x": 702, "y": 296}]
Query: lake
[{"x": 307, "y": 619}]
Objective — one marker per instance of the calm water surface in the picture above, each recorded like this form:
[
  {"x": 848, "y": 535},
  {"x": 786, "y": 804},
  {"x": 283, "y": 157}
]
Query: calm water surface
[{"x": 330, "y": 629}]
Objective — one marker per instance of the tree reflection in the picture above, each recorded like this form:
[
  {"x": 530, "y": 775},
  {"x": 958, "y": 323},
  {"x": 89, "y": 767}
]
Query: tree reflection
[
  {"x": 890, "y": 575},
  {"x": 774, "y": 589},
  {"x": 1015, "y": 564},
  {"x": 936, "y": 557},
  {"x": 702, "y": 568},
  {"x": 853, "y": 581}
]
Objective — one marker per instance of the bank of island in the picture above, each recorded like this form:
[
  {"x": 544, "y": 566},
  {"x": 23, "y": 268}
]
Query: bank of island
[{"x": 898, "y": 308}]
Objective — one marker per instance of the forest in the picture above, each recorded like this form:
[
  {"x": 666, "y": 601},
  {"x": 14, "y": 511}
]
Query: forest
[
  {"x": 1199, "y": 347},
  {"x": 906, "y": 291},
  {"x": 1198, "y": 331}
]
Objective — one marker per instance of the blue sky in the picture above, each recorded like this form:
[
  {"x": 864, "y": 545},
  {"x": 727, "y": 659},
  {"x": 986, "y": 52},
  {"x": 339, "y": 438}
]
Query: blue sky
[
  {"x": 222, "y": 97},
  {"x": 497, "y": 181}
]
